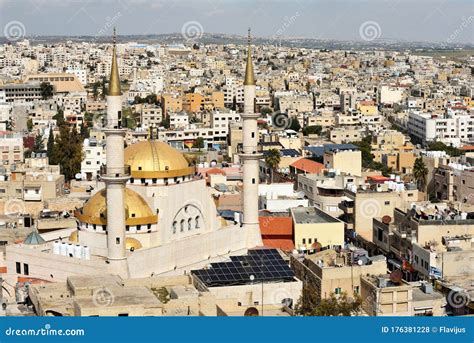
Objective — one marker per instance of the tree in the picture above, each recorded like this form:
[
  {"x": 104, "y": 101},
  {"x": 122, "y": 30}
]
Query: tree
[
  {"x": 59, "y": 117},
  {"x": 199, "y": 143},
  {"x": 420, "y": 172},
  {"x": 38, "y": 144},
  {"x": 46, "y": 90},
  {"x": 67, "y": 151},
  {"x": 440, "y": 146},
  {"x": 342, "y": 305},
  {"x": 265, "y": 110},
  {"x": 311, "y": 130},
  {"x": 95, "y": 90},
  {"x": 165, "y": 122},
  {"x": 29, "y": 124},
  {"x": 50, "y": 144},
  {"x": 295, "y": 124},
  {"x": 272, "y": 159},
  {"x": 104, "y": 88}
]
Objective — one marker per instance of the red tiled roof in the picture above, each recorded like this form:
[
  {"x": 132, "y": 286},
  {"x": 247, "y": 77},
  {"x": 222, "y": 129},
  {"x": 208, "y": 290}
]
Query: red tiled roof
[
  {"x": 281, "y": 226},
  {"x": 378, "y": 178},
  {"x": 467, "y": 147},
  {"x": 308, "y": 166},
  {"x": 215, "y": 171}
]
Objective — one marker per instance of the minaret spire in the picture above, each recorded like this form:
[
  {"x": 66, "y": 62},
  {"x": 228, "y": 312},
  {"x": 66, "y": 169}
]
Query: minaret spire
[
  {"x": 114, "y": 82},
  {"x": 249, "y": 75}
]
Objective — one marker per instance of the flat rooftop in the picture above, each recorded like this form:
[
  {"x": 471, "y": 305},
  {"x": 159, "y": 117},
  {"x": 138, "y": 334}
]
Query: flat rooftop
[{"x": 311, "y": 215}]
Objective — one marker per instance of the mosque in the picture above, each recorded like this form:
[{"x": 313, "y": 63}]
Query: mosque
[{"x": 155, "y": 215}]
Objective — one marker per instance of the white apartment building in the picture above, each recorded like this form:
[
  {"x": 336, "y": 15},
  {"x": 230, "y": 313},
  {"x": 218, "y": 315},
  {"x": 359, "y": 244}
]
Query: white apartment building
[
  {"x": 220, "y": 121},
  {"x": 179, "y": 120},
  {"x": 388, "y": 96},
  {"x": 81, "y": 74},
  {"x": 11, "y": 148},
  {"x": 94, "y": 157},
  {"x": 451, "y": 128}
]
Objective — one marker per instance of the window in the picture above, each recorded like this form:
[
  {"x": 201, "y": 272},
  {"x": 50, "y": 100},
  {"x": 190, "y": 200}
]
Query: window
[
  {"x": 310, "y": 240},
  {"x": 26, "y": 269},
  {"x": 182, "y": 225},
  {"x": 387, "y": 202},
  {"x": 117, "y": 240},
  {"x": 174, "y": 227},
  {"x": 253, "y": 181},
  {"x": 303, "y": 240},
  {"x": 189, "y": 224},
  {"x": 338, "y": 290},
  {"x": 356, "y": 289},
  {"x": 18, "y": 268},
  {"x": 197, "y": 222}
]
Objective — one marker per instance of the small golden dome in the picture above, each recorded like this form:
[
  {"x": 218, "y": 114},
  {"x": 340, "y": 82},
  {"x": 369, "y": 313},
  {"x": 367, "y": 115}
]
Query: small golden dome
[
  {"x": 155, "y": 159},
  {"x": 137, "y": 211},
  {"x": 73, "y": 237},
  {"x": 132, "y": 243}
]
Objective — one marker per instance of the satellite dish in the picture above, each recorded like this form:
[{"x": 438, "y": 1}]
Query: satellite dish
[
  {"x": 386, "y": 220},
  {"x": 396, "y": 276},
  {"x": 78, "y": 176}
]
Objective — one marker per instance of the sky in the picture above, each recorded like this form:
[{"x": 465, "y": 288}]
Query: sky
[{"x": 449, "y": 21}]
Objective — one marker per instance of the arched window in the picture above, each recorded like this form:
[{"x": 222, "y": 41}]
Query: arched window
[
  {"x": 174, "y": 227},
  {"x": 197, "y": 222},
  {"x": 182, "y": 225},
  {"x": 189, "y": 224}
]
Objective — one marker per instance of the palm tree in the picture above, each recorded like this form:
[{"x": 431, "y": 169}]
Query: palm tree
[
  {"x": 272, "y": 159},
  {"x": 420, "y": 172}
]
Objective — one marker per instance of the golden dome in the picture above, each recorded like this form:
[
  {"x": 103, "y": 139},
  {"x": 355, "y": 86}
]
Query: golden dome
[
  {"x": 73, "y": 237},
  {"x": 137, "y": 211},
  {"x": 155, "y": 159},
  {"x": 132, "y": 243}
]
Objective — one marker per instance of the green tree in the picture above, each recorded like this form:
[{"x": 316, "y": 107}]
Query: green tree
[
  {"x": 272, "y": 159},
  {"x": 165, "y": 122},
  {"x": 50, "y": 145},
  {"x": 46, "y": 90},
  {"x": 95, "y": 90},
  {"x": 199, "y": 143},
  {"x": 67, "y": 151},
  {"x": 38, "y": 144},
  {"x": 295, "y": 124},
  {"x": 59, "y": 117},
  {"x": 342, "y": 305},
  {"x": 420, "y": 173},
  {"x": 265, "y": 110},
  {"x": 104, "y": 87},
  {"x": 440, "y": 146},
  {"x": 311, "y": 130},
  {"x": 29, "y": 124}
]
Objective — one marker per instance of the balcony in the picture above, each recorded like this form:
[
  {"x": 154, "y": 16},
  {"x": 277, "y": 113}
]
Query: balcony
[{"x": 107, "y": 172}]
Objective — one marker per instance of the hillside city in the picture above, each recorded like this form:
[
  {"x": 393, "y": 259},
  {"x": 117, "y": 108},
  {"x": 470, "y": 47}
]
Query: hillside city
[{"x": 236, "y": 179}]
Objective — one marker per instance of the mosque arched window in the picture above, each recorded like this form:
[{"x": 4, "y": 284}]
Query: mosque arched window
[
  {"x": 182, "y": 225},
  {"x": 197, "y": 222},
  {"x": 174, "y": 226},
  {"x": 190, "y": 224}
]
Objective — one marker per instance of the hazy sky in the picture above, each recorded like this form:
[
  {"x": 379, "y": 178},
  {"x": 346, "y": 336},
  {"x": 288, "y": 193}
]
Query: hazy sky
[{"x": 422, "y": 20}]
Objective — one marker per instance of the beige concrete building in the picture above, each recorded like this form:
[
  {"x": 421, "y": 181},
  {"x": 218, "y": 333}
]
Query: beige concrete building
[
  {"x": 315, "y": 228},
  {"x": 344, "y": 161},
  {"x": 339, "y": 273}
]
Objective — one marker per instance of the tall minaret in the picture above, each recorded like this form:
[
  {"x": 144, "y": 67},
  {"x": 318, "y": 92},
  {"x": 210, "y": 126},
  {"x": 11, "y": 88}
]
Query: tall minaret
[
  {"x": 249, "y": 156},
  {"x": 115, "y": 174}
]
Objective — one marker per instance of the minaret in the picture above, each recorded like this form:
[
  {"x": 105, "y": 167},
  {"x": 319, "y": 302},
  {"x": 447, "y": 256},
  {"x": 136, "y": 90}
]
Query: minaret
[
  {"x": 115, "y": 174},
  {"x": 249, "y": 156}
]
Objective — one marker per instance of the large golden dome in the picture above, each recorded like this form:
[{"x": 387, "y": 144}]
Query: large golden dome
[
  {"x": 137, "y": 211},
  {"x": 155, "y": 159}
]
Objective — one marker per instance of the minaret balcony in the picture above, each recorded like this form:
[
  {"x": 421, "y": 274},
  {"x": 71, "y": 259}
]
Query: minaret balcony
[{"x": 115, "y": 173}]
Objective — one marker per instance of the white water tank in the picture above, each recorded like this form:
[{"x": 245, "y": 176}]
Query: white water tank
[
  {"x": 78, "y": 251},
  {"x": 87, "y": 253},
  {"x": 56, "y": 247},
  {"x": 63, "y": 250},
  {"x": 237, "y": 217},
  {"x": 70, "y": 250}
]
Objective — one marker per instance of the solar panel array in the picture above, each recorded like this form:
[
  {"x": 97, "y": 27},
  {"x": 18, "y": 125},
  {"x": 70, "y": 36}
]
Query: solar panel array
[{"x": 265, "y": 265}]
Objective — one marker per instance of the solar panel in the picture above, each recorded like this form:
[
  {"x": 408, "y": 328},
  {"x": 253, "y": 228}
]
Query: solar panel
[{"x": 263, "y": 264}]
